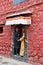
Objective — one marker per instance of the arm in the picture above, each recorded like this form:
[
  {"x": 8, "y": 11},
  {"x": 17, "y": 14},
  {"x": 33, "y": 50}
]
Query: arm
[{"x": 22, "y": 37}]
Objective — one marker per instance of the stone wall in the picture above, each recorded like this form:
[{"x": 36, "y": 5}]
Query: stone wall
[
  {"x": 35, "y": 30},
  {"x": 35, "y": 36},
  {"x": 6, "y": 41}
]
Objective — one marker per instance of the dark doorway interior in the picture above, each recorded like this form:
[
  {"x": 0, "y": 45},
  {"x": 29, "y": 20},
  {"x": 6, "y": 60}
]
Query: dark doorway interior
[{"x": 24, "y": 58}]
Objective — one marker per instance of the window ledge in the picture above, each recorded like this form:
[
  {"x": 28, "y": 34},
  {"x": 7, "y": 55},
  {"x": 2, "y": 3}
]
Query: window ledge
[{"x": 2, "y": 34}]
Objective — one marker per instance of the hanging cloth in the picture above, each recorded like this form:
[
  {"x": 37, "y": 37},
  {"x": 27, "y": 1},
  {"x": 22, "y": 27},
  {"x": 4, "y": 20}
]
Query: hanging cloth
[{"x": 22, "y": 45}]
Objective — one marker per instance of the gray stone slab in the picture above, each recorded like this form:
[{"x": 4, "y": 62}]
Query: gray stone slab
[{"x": 10, "y": 61}]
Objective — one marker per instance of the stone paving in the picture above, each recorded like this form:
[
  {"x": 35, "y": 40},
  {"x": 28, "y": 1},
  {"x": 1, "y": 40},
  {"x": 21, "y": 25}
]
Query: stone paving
[{"x": 10, "y": 61}]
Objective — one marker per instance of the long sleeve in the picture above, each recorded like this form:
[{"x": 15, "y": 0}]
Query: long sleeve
[{"x": 22, "y": 37}]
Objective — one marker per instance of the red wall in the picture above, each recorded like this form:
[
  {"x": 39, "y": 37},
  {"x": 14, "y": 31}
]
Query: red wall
[
  {"x": 5, "y": 41},
  {"x": 35, "y": 35},
  {"x": 35, "y": 30}
]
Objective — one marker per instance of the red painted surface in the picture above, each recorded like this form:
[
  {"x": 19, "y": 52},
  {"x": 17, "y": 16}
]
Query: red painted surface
[
  {"x": 35, "y": 30},
  {"x": 5, "y": 41}
]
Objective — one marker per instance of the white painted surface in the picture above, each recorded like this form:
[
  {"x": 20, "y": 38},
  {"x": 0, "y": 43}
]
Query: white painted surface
[
  {"x": 18, "y": 21},
  {"x": 18, "y": 13}
]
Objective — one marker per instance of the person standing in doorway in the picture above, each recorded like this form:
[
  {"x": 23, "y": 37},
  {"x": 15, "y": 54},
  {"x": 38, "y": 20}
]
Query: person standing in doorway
[
  {"x": 17, "y": 44},
  {"x": 22, "y": 43}
]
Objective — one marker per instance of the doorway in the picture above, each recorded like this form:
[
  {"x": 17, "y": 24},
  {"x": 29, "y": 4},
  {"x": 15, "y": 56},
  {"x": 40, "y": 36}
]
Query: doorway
[{"x": 23, "y": 58}]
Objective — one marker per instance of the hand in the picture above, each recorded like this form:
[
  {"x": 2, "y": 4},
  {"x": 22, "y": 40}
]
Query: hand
[{"x": 18, "y": 40}]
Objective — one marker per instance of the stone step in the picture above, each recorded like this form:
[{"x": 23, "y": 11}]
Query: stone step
[{"x": 10, "y": 61}]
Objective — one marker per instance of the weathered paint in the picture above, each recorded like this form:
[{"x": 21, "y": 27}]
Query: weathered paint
[{"x": 35, "y": 30}]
